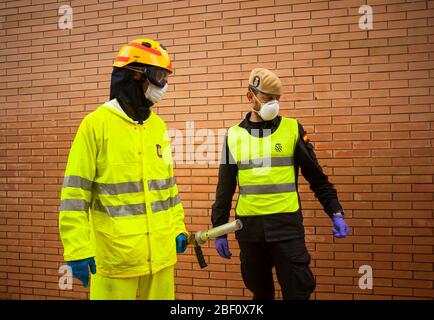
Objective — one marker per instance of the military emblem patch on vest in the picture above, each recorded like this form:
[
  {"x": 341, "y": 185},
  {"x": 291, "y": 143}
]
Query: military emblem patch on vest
[{"x": 278, "y": 147}]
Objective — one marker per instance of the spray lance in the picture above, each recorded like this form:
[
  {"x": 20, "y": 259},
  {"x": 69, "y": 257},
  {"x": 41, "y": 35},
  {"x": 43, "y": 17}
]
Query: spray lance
[{"x": 200, "y": 237}]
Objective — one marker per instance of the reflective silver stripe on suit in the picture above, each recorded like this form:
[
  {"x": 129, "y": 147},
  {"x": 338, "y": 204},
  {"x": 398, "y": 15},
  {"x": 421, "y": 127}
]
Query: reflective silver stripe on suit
[
  {"x": 121, "y": 211},
  {"x": 165, "y": 204},
  {"x": 268, "y": 188},
  {"x": 74, "y": 205},
  {"x": 77, "y": 182},
  {"x": 119, "y": 188},
  {"x": 161, "y": 184},
  {"x": 266, "y": 162}
]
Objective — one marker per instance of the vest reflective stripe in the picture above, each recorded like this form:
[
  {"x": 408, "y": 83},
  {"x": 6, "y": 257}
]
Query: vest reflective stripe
[
  {"x": 266, "y": 173},
  {"x": 268, "y": 188},
  {"x": 77, "y": 182},
  {"x": 266, "y": 162},
  {"x": 74, "y": 205},
  {"x": 119, "y": 188},
  {"x": 120, "y": 211},
  {"x": 161, "y": 184},
  {"x": 158, "y": 206}
]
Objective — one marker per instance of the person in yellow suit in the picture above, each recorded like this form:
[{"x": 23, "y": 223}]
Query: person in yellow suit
[{"x": 121, "y": 217}]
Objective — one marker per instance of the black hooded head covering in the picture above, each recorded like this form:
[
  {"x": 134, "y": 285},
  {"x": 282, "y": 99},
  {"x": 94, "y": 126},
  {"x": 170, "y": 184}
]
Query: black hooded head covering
[{"x": 129, "y": 91}]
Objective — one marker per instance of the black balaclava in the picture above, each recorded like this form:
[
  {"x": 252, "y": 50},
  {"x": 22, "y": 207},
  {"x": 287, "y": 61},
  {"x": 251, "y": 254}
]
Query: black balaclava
[{"x": 129, "y": 91}]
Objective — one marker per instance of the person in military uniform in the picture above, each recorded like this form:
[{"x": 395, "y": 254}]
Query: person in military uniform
[{"x": 263, "y": 154}]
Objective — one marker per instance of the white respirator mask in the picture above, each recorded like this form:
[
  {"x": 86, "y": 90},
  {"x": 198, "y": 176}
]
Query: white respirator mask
[
  {"x": 155, "y": 93},
  {"x": 268, "y": 110}
]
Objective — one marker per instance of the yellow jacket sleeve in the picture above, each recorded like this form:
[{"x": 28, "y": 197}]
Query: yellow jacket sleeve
[
  {"x": 178, "y": 208},
  {"x": 76, "y": 195}
]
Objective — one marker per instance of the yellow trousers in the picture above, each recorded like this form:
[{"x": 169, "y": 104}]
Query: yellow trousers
[{"x": 159, "y": 286}]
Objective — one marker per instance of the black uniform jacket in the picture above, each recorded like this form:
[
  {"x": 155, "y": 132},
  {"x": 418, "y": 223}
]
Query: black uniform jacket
[{"x": 281, "y": 226}]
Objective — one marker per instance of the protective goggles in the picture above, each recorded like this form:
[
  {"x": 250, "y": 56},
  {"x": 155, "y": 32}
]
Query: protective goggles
[{"x": 157, "y": 76}]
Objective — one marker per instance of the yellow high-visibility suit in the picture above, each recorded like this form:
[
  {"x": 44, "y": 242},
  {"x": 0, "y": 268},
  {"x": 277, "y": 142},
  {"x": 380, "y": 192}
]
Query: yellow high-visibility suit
[{"x": 120, "y": 204}]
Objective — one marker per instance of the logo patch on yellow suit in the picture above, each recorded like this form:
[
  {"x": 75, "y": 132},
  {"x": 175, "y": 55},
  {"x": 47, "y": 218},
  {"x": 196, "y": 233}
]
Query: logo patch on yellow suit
[{"x": 159, "y": 150}]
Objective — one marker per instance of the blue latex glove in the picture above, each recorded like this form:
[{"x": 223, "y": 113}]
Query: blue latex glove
[
  {"x": 181, "y": 243},
  {"x": 80, "y": 269},
  {"x": 340, "y": 228},
  {"x": 222, "y": 247}
]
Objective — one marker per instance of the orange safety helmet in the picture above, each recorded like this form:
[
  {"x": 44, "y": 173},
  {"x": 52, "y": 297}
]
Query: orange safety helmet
[{"x": 144, "y": 51}]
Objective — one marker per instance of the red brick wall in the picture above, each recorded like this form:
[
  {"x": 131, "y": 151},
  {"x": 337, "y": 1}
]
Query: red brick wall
[{"x": 366, "y": 97}]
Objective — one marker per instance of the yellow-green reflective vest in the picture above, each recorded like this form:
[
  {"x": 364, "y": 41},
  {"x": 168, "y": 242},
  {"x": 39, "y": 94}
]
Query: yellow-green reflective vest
[
  {"x": 119, "y": 200},
  {"x": 266, "y": 174}
]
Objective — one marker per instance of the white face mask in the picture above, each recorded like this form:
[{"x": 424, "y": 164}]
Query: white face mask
[
  {"x": 269, "y": 110},
  {"x": 154, "y": 93}
]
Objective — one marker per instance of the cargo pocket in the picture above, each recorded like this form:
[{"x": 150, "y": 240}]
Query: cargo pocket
[{"x": 303, "y": 280}]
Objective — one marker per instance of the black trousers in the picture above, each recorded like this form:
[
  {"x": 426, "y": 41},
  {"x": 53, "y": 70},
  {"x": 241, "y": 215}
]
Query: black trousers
[{"x": 291, "y": 260}]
